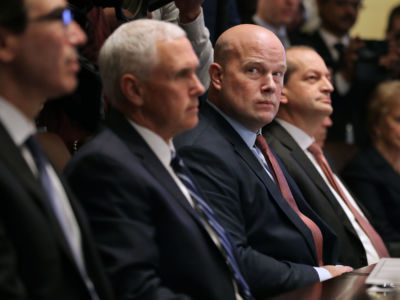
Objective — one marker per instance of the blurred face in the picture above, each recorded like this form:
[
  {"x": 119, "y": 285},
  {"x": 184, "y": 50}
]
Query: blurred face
[
  {"x": 309, "y": 87},
  {"x": 338, "y": 16},
  {"x": 46, "y": 60},
  {"x": 251, "y": 80},
  {"x": 388, "y": 129},
  {"x": 171, "y": 94},
  {"x": 395, "y": 31},
  {"x": 277, "y": 12}
]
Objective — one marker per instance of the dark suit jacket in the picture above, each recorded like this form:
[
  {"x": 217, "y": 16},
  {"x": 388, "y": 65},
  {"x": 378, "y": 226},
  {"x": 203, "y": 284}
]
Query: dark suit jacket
[
  {"x": 317, "y": 194},
  {"x": 373, "y": 180},
  {"x": 35, "y": 260},
  {"x": 276, "y": 247},
  {"x": 151, "y": 240}
]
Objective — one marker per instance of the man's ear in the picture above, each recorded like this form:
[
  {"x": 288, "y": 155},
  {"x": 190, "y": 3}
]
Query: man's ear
[
  {"x": 284, "y": 98},
  {"x": 132, "y": 89},
  {"x": 216, "y": 75},
  {"x": 8, "y": 45}
]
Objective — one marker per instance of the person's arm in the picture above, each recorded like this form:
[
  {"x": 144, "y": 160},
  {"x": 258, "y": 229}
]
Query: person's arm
[
  {"x": 188, "y": 14},
  {"x": 120, "y": 210}
]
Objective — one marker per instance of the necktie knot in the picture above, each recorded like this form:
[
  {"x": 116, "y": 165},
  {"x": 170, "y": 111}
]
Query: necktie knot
[
  {"x": 340, "y": 50},
  {"x": 32, "y": 143},
  {"x": 261, "y": 143},
  {"x": 339, "y": 47},
  {"x": 315, "y": 149},
  {"x": 176, "y": 162}
]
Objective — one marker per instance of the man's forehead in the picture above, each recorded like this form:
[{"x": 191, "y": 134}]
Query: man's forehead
[{"x": 39, "y": 7}]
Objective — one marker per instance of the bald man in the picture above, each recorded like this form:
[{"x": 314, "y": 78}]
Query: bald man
[
  {"x": 280, "y": 249},
  {"x": 305, "y": 105}
]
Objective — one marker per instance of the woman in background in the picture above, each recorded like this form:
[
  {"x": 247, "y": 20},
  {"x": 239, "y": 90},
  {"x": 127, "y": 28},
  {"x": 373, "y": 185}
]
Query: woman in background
[{"x": 373, "y": 175}]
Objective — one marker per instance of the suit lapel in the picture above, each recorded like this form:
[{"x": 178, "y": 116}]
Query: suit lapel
[
  {"x": 301, "y": 158},
  {"x": 137, "y": 145},
  {"x": 248, "y": 157},
  {"x": 13, "y": 159}
]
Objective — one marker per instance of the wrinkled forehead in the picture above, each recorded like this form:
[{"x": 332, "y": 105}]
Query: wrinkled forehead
[
  {"x": 36, "y": 8},
  {"x": 259, "y": 49}
]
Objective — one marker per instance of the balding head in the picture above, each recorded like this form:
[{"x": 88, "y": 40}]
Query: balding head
[
  {"x": 240, "y": 38},
  {"x": 247, "y": 74},
  {"x": 305, "y": 100}
]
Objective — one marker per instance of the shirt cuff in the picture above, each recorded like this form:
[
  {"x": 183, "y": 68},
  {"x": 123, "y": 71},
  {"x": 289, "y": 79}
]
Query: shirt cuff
[{"x": 323, "y": 273}]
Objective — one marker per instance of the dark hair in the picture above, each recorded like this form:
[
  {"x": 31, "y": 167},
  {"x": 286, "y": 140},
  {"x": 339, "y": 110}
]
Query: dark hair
[
  {"x": 13, "y": 15},
  {"x": 393, "y": 14}
]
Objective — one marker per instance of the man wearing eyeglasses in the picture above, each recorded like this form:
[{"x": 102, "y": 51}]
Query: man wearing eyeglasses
[{"x": 45, "y": 249}]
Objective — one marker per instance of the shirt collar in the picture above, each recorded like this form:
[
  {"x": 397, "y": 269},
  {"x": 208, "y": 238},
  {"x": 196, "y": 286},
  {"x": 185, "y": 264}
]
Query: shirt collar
[
  {"x": 301, "y": 138},
  {"x": 330, "y": 39},
  {"x": 17, "y": 125},
  {"x": 160, "y": 148},
  {"x": 248, "y": 136}
]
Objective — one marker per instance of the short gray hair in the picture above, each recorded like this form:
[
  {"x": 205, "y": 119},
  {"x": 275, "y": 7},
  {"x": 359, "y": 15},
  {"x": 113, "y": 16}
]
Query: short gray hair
[{"x": 131, "y": 48}]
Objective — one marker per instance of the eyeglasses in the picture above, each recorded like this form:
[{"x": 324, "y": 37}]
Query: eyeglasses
[{"x": 59, "y": 14}]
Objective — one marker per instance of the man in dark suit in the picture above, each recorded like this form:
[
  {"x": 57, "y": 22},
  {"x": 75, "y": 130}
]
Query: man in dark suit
[
  {"x": 157, "y": 236},
  {"x": 340, "y": 52},
  {"x": 45, "y": 249},
  {"x": 305, "y": 103},
  {"x": 277, "y": 247}
]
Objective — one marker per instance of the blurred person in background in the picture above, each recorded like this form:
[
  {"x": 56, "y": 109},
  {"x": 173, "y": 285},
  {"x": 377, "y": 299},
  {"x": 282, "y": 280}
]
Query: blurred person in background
[
  {"x": 275, "y": 15},
  {"x": 373, "y": 175}
]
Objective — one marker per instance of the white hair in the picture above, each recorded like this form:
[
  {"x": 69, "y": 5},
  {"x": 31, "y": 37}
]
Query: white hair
[{"x": 131, "y": 48}]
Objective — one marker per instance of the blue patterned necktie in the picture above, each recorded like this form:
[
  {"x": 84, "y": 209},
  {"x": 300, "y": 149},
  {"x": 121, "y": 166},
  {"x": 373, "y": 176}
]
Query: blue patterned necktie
[
  {"x": 207, "y": 215},
  {"x": 41, "y": 161}
]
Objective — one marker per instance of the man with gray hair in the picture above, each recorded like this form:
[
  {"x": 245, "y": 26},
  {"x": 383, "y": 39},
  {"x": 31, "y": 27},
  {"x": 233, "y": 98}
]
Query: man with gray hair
[{"x": 158, "y": 237}]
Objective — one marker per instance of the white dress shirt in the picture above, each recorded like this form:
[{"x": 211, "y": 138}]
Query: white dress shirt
[
  {"x": 249, "y": 137},
  {"x": 163, "y": 151},
  {"x": 20, "y": 129},
  {"x": 304, "y": 141}
]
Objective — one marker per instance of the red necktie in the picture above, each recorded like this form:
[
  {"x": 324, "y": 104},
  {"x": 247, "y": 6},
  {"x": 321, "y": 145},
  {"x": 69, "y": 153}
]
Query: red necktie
[
  {"x": 287, "y": 194},
  {"x": 376, "y": 240}
]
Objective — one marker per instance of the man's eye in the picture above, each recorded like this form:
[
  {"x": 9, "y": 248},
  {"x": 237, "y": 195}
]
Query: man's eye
[
  {"x": 252, "y": 70},
  {"x": 278, "y": 74}
]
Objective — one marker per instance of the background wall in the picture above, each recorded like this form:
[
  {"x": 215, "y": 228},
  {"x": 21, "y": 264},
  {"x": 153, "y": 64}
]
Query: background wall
[{"x": 372, "y": 19}]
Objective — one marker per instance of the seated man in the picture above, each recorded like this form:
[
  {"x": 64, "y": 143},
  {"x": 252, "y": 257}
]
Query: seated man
[
  {"x": 305, "y": 103},
  {"x": 157, "y": 236},
  {"x": 281, "y": 241},
  {"x": 46, "y": 251}
]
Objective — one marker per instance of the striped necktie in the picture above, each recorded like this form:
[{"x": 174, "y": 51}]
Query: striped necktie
[
  {"x": 64, "y": 220},
  {"x": 261, "y": 143},
  {"x": 207, "y": 216}
]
